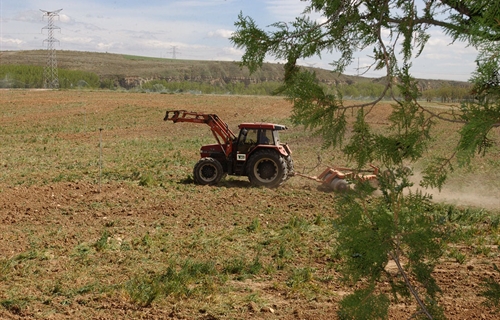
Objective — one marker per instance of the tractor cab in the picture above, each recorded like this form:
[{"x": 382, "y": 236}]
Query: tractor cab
[
  {"x": 257, "y": 135},
  {"x": 259, "y": 154}
]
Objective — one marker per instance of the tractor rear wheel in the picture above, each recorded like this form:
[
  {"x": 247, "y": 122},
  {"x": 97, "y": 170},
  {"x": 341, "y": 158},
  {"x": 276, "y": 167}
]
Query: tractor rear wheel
[
  {"x": 267, "y": 168},
  {"x": 208, "y": 171},
  {"x": 289, "y": 167}
]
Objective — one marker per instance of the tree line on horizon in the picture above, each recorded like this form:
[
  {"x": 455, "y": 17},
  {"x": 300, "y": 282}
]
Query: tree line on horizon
[{"x": 27, "y": 76}]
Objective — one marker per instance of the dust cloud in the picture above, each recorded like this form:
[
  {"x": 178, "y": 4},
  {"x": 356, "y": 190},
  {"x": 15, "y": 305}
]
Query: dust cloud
[{"x": 477, "y": 195}]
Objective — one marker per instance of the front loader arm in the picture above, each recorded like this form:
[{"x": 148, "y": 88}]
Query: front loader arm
[{"x": 220, "y": 129}]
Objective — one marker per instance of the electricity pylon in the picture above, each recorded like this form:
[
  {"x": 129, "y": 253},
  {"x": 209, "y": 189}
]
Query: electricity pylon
[{"x": 50, "y": 74}]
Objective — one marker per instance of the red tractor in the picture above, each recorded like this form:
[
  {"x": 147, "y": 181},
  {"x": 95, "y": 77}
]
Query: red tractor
[{"x": 256, "y": 152}]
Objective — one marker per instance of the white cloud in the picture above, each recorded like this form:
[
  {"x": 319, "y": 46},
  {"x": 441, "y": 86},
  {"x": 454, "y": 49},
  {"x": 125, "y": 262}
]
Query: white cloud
[
  {"x": 232, "y": 51},
  {"x": 105, "y": 46},
  {"x": 157, "y": 44},
  {"x": 437, "y": 56},
  {"x": 197, "y": 4},
  {"x": 220, "y": 33},
  {"x": 29, "y": 16},
  {"x": 15, "y": 42},
  {"x": 437, "y": 40},
  {"x": 77, "y": 40},
  {"x": 285, "y": 10},
  {"x": 64, "y": 18}
]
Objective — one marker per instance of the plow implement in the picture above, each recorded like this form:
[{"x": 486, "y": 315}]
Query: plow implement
[{"x": 336, "y": 178}]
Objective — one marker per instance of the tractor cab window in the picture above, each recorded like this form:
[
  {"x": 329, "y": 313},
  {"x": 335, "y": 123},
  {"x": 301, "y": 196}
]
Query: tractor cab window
[
  {"x": 247, "y": 140},
  {"x": 276, "y": 137},
  {"x": 266, "y": 137},
  {"x": 251, "y": 137}
]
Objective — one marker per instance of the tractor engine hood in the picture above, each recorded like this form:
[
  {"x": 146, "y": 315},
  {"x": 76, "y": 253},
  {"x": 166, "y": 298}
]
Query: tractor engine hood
[{"x": 209, "y": 149}]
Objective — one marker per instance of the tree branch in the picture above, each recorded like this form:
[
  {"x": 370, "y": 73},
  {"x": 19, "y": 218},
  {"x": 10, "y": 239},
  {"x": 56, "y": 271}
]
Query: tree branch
[
  {"x": 410, "y": 286},
  {"x": 461, "y": 8}
]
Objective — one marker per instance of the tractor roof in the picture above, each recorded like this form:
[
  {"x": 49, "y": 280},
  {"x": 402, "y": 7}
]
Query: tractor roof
[{"x": 260, "y": 125}]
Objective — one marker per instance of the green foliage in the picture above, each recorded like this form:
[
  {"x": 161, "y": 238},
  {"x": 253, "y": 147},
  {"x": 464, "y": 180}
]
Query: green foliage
[
  {"x": 241, "y": 268},
  {"x": 300, "y": 277},
  {"x": 102, "y": 243},
  {"x": 372, "y": 232},
  {"x": 436, "y": 173},
  {"x": 447, "y": 94},
  {"x": 163, "y": 86},
  {"x": 16, "y": 306},
  {"x": 400, "y": 224},
  {"x": 17, "y": 76},
  {"x": 185, "y": 281},
  {"x": 362, "y": 144},
  {"x": 24, "y": 76},
  {"x": 481, "y": 117},
  {"x": 146, "y": 180},
  {"x": 107, "y": 84},
  {"x": 73, "y": 79},
  {"x": 458, "y": 256},
  {"x": 491, "y": 290},
  {"x": 361, "y": 89},
  {"x": 143, "y": 291},
  {"x": 316, "y": 110},
  {"x": 405, "y": 140},
  {"x": 254, "y": 225},
  {"x": 364, "y": 304}
]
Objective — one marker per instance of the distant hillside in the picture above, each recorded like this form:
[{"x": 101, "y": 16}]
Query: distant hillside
[{"x": 132, "y": 71}]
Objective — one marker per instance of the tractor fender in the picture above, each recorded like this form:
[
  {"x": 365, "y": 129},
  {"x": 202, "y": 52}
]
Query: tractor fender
[{"x": 287, "y": 149}]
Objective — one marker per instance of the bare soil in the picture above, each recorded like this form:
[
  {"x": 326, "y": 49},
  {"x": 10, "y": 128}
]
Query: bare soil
[{"x": 48, "y": 227}]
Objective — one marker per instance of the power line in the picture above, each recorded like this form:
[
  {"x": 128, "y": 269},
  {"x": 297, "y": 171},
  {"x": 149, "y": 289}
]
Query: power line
[
  {"x": 50, "y": 74},
  {"x": 174, "y": 52}
]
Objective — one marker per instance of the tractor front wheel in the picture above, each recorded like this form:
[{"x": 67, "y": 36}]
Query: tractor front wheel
[
  {"x": 208, "y": 171},
  {"x": 267, "y": 168}
]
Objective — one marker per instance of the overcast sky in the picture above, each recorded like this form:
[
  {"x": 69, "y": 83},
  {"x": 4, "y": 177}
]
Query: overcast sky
[{"x": 188, "y": 29}]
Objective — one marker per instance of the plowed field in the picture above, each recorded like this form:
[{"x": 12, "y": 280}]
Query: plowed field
[{"x": 98, "y": 208}]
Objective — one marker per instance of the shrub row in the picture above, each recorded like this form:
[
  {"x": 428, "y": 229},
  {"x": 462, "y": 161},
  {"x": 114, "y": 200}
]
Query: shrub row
[{"x": 26, "y": 76}]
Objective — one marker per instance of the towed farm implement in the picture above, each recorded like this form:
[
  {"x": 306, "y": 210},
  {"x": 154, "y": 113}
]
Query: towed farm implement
[{"x": 335, "y": 178}]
